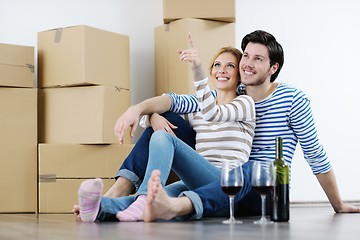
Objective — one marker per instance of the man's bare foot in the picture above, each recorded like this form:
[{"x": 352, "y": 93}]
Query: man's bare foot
[
  {"x": 159, "y": 205},
  {"x": 122, "y": 187}
]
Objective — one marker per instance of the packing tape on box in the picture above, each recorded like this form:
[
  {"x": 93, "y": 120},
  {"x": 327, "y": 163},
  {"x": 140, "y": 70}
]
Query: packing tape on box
[
  {"x": 58, "y": 34},
  {"x": 47, "y": 178},
  {"x": 54, "y": 178},
  {"x": 31, "y": 67}
]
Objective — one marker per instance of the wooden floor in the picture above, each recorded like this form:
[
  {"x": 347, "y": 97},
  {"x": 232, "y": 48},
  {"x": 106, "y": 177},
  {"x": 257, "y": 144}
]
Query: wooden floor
[{"x": 307, "y": 223}]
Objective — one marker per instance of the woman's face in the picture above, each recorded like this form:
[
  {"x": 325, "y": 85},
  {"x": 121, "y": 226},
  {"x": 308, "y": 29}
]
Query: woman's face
[{"x": 225, "y": 72}]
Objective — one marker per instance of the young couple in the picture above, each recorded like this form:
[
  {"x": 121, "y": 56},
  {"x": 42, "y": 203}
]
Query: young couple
[{"x": 281, "y": 110}]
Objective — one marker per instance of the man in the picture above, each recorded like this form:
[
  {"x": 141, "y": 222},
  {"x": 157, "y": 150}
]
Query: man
[{"x": 281, "y": 111}]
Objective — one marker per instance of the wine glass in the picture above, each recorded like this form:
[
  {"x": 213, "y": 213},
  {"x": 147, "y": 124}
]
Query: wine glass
[
  {"x": 232, "y": 180},
  {"x": 263, "y": 180}
]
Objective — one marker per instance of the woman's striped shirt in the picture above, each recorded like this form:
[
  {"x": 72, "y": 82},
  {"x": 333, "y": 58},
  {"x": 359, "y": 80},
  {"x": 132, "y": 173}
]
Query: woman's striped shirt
[
  {"x": 286, "y": 113},
  {"x": 223, "y": 132}
]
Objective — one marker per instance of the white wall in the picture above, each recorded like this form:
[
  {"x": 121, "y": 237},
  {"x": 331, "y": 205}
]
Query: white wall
[
  {"x": 321, "y": 57},
  {"x": 321, "y": 43}
]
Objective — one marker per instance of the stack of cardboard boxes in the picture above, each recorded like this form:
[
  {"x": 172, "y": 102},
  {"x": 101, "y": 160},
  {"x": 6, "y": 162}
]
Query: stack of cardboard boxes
[
  {"x": 18, "y": 128},
  {"x": 84, "y": 86},
  {"x": 212, "y": 26}
]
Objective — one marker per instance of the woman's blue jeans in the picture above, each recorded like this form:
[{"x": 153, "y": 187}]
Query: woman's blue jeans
[
  {"x": 208, "y": 200},
  {"x": 134, "y": 166},
  {"x": 169, "y": 152}
]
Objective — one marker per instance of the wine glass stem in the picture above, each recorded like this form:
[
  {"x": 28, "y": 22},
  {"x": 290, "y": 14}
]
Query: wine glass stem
[
  {"x": 263, "y": 199},
  {"x": 231, "y": 208}
]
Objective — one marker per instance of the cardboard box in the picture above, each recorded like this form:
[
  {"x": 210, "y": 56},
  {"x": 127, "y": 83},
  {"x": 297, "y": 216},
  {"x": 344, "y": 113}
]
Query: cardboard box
[
  {"x": 83, "y": 55},
  {"x": 18, "y": 155},
  {"x": 203, "y": 9},
  {"x": 172, "y": 75},
  {"x": 59, "y": 161},
  {"x": 62, "y": 167},
  {"x": 60, "y": 195},
  {"x": 84, "y": 115},
  {"x": 16, "y": 66}
]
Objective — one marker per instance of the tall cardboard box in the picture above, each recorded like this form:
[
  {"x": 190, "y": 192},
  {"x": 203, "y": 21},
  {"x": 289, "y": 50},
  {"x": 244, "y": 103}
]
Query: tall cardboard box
[
  {"x": 223, "y": 10},
  {"x": 16, "y": 65},
  {"x": 18, "y": 155},
  {"x": 172, "y": 75},
  {"x": 62, "y": 168},
  {"x": 83, "y": 55},
  {"x": 84, "y": 115}
]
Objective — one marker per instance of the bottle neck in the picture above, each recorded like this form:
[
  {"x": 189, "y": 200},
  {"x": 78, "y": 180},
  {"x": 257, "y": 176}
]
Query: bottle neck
[{"x": 279, "y": 149}]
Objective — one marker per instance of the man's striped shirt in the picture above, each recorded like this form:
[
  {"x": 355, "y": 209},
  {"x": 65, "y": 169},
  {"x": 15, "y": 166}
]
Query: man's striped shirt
[{"x": 286, "y": 113}]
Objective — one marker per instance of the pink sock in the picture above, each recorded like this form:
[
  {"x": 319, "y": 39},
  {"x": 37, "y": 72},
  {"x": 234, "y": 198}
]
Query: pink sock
[
  {"x": 89, "y": 199},
  {"x": 134, "y": 212}
]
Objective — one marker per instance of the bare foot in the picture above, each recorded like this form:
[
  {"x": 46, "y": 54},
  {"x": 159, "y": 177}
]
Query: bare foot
[
  {"x": 159, "y": 205},
  {"x": 121, "y": 187},
  {"x": 76, "y": 209}
]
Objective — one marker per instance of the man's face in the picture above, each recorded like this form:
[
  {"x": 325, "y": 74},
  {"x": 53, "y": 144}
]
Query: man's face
[{"x": 255, "y": 65}]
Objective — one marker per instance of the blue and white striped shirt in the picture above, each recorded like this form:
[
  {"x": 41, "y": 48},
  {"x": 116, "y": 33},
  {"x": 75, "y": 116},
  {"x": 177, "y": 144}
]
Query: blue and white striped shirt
[{"x": 286, "y": 113}]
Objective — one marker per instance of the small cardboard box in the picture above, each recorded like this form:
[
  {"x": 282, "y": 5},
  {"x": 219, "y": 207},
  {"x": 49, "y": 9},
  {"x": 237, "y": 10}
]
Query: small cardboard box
[
  {"x": 203, "y": 9},
  {"x": 83, "y": 55},
  {"x": 58, "y": 161},
  {"x": 18, "y": 140},
  {"x": 84, "y": 115},
  {"x": 16, "y": 66},
  {"x": 172, "y": 75}
]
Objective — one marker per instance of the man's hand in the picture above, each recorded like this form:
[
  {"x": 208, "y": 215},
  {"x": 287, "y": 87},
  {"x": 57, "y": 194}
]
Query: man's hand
[
  {"x": 348, "y": 208},
  {"x": 329, "y": 184},
  {"x": 158, "y": 122}
]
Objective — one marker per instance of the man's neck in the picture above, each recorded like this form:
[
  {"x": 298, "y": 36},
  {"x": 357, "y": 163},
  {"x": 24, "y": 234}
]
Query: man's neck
[{"x": 260, "y": 92}]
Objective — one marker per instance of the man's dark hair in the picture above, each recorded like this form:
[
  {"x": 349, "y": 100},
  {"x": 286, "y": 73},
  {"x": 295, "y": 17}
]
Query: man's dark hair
[{"x": 275, "y": 50}]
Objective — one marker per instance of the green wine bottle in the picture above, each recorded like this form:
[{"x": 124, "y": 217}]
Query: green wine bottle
[{"x": 280, "y": 211}]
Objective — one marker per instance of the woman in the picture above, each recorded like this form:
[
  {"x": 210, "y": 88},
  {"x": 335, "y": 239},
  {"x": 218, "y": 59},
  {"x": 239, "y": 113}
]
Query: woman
[{"x": 220, "y": 125}]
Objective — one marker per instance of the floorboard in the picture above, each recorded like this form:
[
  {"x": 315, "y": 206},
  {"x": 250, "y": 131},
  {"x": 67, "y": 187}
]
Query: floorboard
[{"x": 307, "y": 222}]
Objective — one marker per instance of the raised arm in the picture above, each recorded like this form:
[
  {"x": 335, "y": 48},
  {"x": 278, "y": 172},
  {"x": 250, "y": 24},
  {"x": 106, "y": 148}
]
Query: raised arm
[{"x": 241, "y": 108}]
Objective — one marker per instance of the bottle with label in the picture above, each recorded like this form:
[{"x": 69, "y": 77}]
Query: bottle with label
[{"x": 280, "y": 211}]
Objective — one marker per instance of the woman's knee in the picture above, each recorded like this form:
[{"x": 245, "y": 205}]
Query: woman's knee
[{"x": 160, "y": 136}]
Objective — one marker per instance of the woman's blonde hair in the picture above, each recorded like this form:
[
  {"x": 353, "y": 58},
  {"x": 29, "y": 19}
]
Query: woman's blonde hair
[{"x": 234, "y": 51}]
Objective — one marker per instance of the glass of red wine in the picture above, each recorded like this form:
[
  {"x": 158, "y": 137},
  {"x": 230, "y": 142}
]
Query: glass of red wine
[
  {"x": 263, "y": 181},
  {"x": 232, "y": 180}
]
